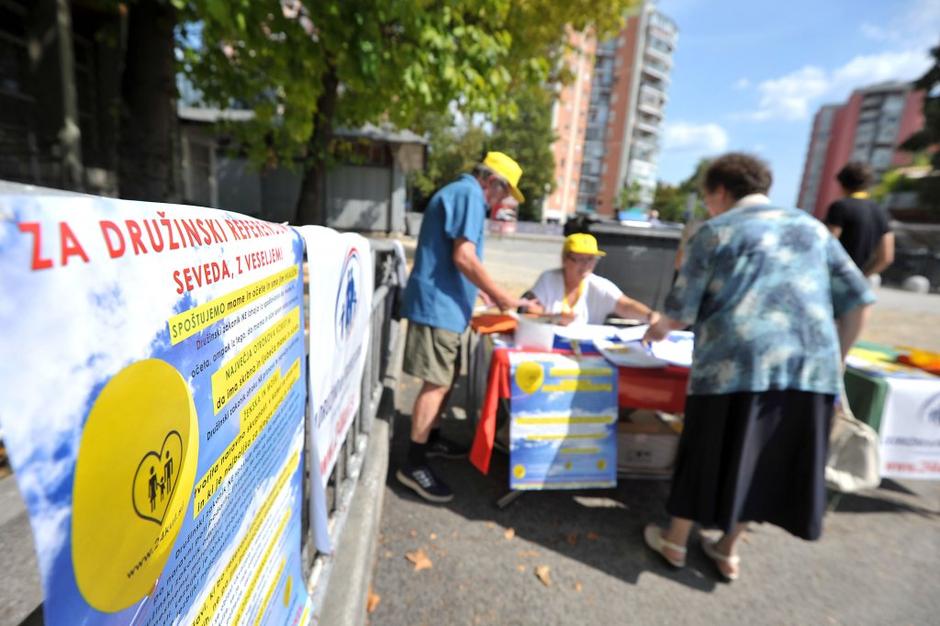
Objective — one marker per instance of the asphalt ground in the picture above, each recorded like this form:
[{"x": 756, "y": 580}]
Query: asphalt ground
[{"x": 877, "y": 562}]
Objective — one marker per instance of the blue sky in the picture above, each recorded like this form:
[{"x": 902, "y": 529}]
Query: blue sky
[{"x": 751, "y": 75}]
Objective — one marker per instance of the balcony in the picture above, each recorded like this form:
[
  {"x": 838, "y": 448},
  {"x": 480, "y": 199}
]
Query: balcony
[
  {"x": 659, "y": 55},
  {"x": 651, "y": 107},
  {"x": 652, "y": 94},
  {"x": 646, "y": 127},
  {"x": 656, "y": 69}
]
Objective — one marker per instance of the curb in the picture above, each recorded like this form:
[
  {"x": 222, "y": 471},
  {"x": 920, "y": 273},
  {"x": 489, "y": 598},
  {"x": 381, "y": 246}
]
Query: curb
[{"x": 344, "y": 602}]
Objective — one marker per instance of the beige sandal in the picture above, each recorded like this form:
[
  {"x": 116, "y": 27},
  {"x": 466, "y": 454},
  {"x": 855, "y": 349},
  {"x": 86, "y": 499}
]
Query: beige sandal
[
  {"x": 711, "y": 550},
  {"x": 653, "y": 536}
]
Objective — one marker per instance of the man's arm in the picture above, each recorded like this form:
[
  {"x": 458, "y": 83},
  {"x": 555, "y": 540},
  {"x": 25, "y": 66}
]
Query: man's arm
[
  {"x": 883, "y": 257},
  {"x": 465, "y": 258},
  {"x": 835, "y": 230}
]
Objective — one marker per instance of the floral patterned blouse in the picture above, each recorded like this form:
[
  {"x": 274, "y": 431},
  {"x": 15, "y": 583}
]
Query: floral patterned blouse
[{"x": 761, "y": 286}]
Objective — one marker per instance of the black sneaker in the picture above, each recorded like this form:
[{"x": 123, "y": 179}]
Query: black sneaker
[
  {"x": 423, "y": 482},
  {"x": 446, "y": 449}
]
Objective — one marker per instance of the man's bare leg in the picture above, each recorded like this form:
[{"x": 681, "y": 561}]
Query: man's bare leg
[{"x": 427, "y": 409}]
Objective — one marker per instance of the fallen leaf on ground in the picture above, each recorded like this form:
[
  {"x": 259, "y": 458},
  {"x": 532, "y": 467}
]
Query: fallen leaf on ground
[
  {"x": 491, "y": 524},
  {"x": 372, "y": 602},
  {"x": 527, "y": 553},
  {"x": 521, "y": 568},
  {"x": 420, "y": 559},
  {"x": 388, "y": 554},
  {"x": 578, "y": 587},
  {"x": 592, "y": 536},
  {"x": 413, "y": 533},
  {"x": 542, "y": 572},
  {"x": 571, "y": 538},
  {"x": 510, "y": 533},
  {"x": 433, "y": 536}
]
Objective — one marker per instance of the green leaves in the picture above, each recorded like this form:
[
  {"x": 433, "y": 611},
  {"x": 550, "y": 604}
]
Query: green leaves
[{"x": 395, "y": 60}]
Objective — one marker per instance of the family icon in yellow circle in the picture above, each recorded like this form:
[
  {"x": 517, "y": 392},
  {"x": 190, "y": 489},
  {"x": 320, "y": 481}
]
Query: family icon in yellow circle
[{"x": 133, "y": 480}]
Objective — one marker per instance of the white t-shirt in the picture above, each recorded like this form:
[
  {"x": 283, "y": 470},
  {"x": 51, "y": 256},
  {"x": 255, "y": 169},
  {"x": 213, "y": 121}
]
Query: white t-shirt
[{"x": 596, "y": 302}]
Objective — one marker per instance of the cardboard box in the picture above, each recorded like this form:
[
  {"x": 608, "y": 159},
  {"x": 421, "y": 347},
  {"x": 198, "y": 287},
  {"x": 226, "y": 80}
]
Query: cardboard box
[{"x": 646, "y": 442}]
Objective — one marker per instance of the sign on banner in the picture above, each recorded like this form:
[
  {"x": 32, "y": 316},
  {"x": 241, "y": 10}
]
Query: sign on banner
[
  {"x": 152, "y": 403},
  {"x": 563, "y": 422},
  {"x": 910, "y": 429}
]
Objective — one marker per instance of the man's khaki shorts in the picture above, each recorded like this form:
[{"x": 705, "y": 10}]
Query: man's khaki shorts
[{"x": 432, "y": 354}]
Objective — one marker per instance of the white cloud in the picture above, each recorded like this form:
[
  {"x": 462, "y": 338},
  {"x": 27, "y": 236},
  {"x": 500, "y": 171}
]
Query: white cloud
[
  {"x": 702, "y": 138},
  {"x": 742, "y": 83},
  {"x": 792, "y": 96},
  {"x": 874, "y": 68},
  {"x": 789, "y": 96},
  {"x": 916, "y": 26}
]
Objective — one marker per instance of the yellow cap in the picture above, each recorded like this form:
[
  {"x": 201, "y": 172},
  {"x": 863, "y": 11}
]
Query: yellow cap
[
  {"x": 503, "y": 165},
  {"x": 582, "y": 243}
]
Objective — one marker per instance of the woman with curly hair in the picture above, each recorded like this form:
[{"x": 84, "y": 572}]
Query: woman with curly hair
[{"x": 775, "y": 303}]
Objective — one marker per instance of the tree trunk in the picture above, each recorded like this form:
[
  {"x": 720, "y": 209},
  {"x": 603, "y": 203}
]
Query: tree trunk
[
  {"x": 311, "y": 203},
  {"x": 148, "y": 158}
]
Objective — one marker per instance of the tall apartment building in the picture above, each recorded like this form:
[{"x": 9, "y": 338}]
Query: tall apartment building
[
  {"x": 868, "y": 127},
  {"x": 608, "y": 121},
  {"x": 569, "y": 122}
]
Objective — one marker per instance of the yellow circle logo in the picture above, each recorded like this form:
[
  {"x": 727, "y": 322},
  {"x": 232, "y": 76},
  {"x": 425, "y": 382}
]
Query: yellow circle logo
[
  {"x": 568, "y": 465},
  {"x": 133, "y": 479},
  {"x": 518, "y": 471},
  {"x": 529, "y": 376},
  {"x": 601, "y": 464}
]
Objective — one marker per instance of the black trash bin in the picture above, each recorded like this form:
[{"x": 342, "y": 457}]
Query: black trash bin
[{"x": 640, "y": 260}]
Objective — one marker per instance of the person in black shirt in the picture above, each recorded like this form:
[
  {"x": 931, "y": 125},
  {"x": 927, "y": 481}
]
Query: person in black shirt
[{"x": 860, "y": 224}]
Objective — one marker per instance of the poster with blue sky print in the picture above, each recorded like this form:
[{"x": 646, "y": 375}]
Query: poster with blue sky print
[
  {"x": 563, "y": 422},
  {"x": 152, "y": 403}
]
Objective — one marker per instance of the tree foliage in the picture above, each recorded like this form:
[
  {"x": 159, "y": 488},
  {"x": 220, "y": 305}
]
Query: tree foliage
[
  {"x": 928, "y": 138},
  {"x": 630, "y": 196},
  {"x": 452, "y": 150},
  {"x": 672, "y": 201},
  {"x": 528, "y": 138},
  {"x": 929, "y": 135},
  {"x": 307, "y": 67}
]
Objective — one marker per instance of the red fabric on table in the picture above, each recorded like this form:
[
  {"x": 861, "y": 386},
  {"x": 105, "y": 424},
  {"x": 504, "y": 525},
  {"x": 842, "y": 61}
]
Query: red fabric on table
[
  {"x": 497, "y": 386},
  {"x": 657, "y": 389},
  {"x": 660, "y": 389}
]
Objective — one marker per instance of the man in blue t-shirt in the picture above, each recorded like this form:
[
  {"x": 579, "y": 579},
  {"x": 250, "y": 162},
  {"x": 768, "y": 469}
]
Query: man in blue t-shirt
[{"x": 438, "y": 303}]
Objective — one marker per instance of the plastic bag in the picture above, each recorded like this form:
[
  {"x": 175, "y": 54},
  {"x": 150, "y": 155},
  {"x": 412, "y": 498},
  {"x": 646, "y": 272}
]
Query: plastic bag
[{"x": 854, "y": 461}]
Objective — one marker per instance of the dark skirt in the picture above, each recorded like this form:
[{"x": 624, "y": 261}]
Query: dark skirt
[{"x": 754, "y": 457}]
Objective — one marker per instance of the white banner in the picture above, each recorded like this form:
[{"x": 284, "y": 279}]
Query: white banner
[
  {"x": 341, "y": 283},
  {"x": 910, "y": 429}
]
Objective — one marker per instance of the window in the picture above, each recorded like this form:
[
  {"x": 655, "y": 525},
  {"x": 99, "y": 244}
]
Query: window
[{"x": 881, "y": 158}]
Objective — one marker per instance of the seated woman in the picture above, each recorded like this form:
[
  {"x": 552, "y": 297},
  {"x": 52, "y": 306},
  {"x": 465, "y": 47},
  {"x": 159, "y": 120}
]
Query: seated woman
[{"x": 576, "y": 294}]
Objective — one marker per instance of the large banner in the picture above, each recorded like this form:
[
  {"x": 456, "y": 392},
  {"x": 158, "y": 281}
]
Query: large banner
[
  {"x": 910, "y": 429},
  {"x": 152, "y": 402},
  {"x": 563, "y": 429},
  {"x": 340, "y": 266},
  {"x": 341, "y": 274}
]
